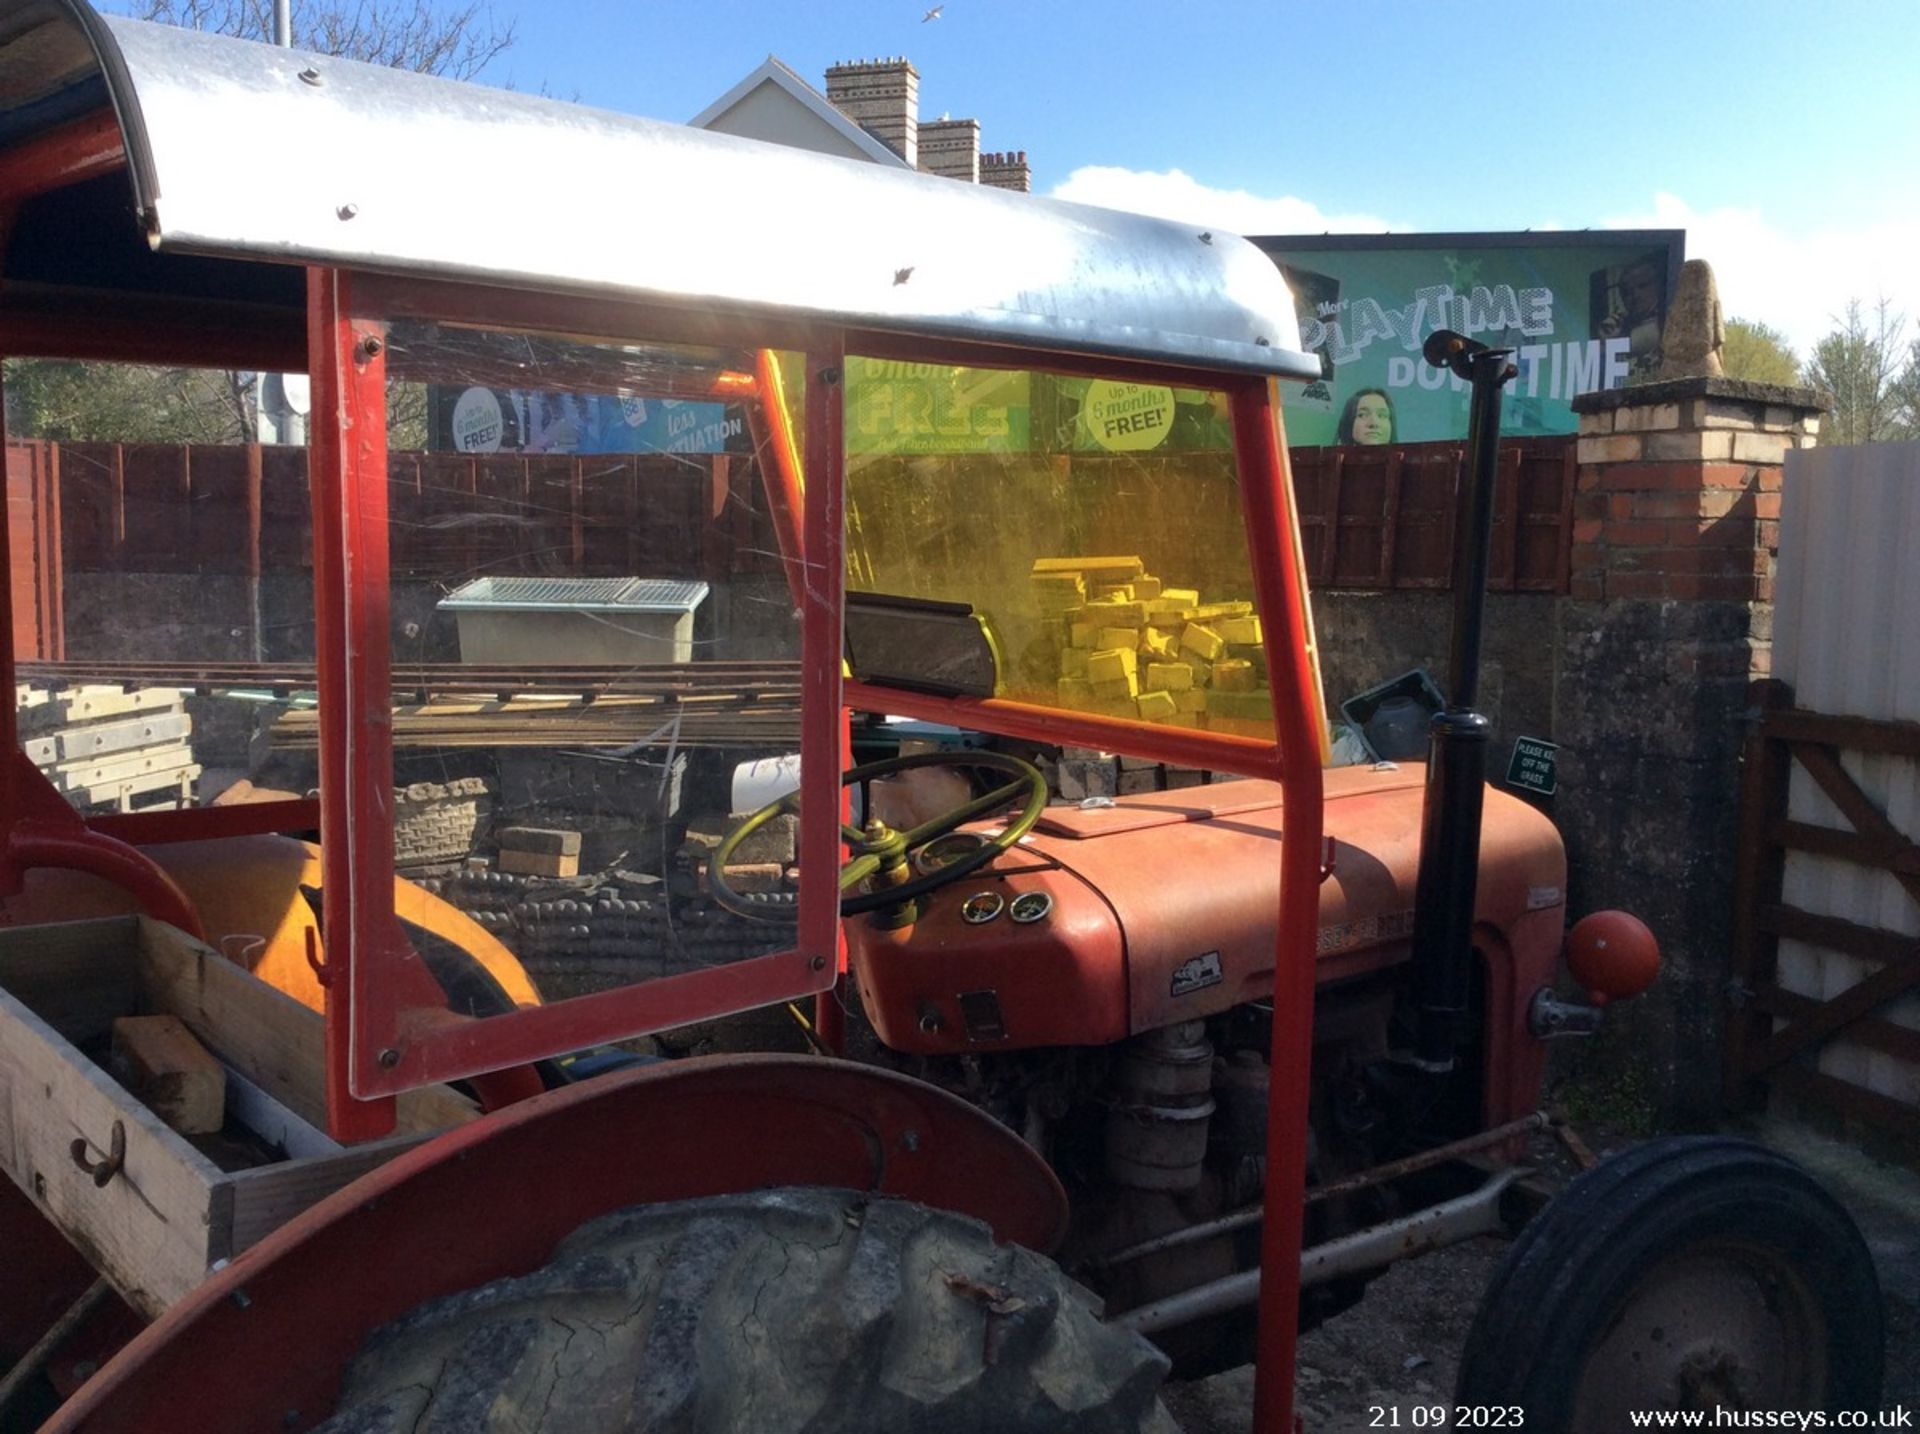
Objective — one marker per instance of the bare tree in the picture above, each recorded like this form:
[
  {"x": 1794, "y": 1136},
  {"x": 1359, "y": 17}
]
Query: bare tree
[
  {"x": 1860, "y": 364},
  {"x": 457, "y": 41}
]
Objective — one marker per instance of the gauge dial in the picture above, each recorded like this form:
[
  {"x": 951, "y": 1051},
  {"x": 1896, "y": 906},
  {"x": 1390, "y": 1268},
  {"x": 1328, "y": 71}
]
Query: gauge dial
[
  {"x": 982, "y": 907},
  {"x": 1030, "y": 906},
  {"x": 945, "y": 850}
]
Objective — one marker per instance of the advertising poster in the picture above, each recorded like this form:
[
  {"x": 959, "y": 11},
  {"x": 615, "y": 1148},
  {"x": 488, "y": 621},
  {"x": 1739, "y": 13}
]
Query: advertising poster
[
  {"x": 491, "y": 420},
  {"x": 1582, "y": 311},
  {"x": 919, "y": 409}
]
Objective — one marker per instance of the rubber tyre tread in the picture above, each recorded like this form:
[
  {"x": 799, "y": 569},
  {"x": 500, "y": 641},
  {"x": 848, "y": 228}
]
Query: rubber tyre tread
[
  {"x": 798, "y": 1311},
  {"x": 1572, "y": 1266}
]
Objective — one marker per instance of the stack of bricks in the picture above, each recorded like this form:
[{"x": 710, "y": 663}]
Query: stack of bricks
[
  {"x": 1129, "y": 645},
  {"x": 1679, "y": 490}
]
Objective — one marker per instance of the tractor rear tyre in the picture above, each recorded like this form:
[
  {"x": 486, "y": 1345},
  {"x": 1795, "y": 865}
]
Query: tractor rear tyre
[
  {"x": 776, "y": 1312},
  {"x": 1690, "y": 1274}
]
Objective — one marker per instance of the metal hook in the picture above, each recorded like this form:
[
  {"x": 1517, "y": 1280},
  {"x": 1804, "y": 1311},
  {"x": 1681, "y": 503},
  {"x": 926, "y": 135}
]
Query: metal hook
[{"x": 106, "y": 1169}]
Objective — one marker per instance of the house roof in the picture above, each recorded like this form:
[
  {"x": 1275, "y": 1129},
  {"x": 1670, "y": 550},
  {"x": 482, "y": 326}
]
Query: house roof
[{"x": 783, "y": 78}]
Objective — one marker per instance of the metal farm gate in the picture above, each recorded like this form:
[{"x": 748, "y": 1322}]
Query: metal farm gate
[{"x": 1827, "y": 924}]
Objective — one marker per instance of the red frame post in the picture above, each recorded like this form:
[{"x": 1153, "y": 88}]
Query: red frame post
[
  {"x": 1265, "y": 497},
  {"x": 335, "y": 460}
]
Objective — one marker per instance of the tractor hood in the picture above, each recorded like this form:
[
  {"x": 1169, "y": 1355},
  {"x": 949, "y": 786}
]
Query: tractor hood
[{"x": 1163, "y": 907}]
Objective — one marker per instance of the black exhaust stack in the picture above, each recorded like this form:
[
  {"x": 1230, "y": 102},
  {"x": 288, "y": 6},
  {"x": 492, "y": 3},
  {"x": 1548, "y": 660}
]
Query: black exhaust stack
[{"x": 1457, "y": 743}]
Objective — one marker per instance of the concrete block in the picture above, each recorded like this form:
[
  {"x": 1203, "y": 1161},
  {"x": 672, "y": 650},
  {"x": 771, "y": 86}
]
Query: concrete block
[
  {"x": 1112, "y": 569},
  {"x": 1159, "y": 642},
  {"x": 1073, "y": 662},
  {"x": 1253, "y": 706},
  {"x": 1240, "y": 631},
  {"x": 1191, "y": 703},
  {"x": 1111, "y": 664},
  {"x": 1233, "y": 674},
  {"x": 1157, "y": 706},
  {"x": 1146, "y": 587},
  {"x": 1615, "y": 448},
  {"x": 1683, "y": 447},
  {"x": 1202, "y": 641},
  {"x": 546, "y": 840},
  {"x": 1651, "y": 418},
  {"x": 1109, "y": 639},
  {"x": 1759, "y": 447},
  {"x": 1170, "y": 676}
]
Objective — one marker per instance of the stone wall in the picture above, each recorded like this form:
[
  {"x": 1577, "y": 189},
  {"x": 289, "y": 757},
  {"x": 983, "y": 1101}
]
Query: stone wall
[{"x": 1367, "y": 637}]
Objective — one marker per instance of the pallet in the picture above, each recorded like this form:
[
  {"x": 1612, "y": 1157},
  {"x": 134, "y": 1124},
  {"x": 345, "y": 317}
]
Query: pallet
[{"x": 107, "y": 747}]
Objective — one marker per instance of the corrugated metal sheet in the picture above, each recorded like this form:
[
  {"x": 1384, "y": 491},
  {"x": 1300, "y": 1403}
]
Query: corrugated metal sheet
[{"x": 1847, "y": 637}]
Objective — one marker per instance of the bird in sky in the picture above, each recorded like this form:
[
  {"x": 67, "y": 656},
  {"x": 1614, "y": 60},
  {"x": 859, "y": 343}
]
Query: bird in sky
[{"x": 933, "y": 14}]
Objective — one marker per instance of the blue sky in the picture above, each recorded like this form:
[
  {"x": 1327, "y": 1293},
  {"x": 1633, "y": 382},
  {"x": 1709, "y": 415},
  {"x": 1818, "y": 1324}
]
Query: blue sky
[{"x": 1783, "y": 136}]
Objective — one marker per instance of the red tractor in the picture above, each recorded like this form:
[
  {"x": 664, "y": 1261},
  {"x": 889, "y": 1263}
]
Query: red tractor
[{"x": 718, "y": 452}]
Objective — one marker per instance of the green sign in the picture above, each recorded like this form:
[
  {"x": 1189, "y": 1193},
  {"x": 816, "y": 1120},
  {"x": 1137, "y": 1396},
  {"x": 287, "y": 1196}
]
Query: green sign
[
  {"x": 1581, "y": 312},
  {"x": 918, "y": 408},
  {"x": 1531, "y": 768}
]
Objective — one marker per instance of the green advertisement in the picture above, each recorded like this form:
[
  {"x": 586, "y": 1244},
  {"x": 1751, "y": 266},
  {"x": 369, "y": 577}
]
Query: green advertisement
[
  {"x": 1582, "y": 312},
  {"x": 918, "y": 408}
]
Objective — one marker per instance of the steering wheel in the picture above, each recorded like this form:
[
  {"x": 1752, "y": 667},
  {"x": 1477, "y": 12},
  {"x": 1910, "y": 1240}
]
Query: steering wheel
[{"x": 880, "y": 849}]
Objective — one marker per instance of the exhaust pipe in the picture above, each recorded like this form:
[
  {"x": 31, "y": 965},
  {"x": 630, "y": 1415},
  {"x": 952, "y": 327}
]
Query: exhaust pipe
[{"x": 1457, "y": 741}]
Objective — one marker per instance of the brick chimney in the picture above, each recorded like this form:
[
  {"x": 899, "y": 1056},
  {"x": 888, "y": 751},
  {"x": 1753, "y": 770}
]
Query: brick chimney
[
  {"x": 883, "y": 98},
  {"x": 951, "y": 147},
  {"x": 1006, "y": 171}
]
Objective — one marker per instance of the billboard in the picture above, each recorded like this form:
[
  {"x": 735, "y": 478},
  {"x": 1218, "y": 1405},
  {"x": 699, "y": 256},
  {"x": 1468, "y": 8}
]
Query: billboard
[
  {"x": 1581, "y": 310},
  {"x": 479, "y": 419}
]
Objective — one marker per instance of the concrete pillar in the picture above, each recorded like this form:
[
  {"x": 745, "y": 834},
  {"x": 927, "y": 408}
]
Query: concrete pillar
[{"x": 1670, "y": 616}]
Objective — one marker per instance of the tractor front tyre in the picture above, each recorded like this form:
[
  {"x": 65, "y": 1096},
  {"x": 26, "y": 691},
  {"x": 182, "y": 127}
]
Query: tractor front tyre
[
  {"x": 1686, "y": 1274},
  {"x": 779, "y": 1312}
]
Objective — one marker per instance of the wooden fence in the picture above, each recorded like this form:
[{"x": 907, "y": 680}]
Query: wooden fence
[
  {"x": 1371, "y": 518},
  {"x": 1383, "y": 518}
]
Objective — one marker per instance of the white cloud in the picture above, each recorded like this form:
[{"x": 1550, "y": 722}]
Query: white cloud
[
  {"x": 1176, "y": 194},
  {"x": 1795, "y": 282}
]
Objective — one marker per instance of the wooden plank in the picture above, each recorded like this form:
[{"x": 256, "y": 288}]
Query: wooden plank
[
  {"x": 76, "y": 975},
  {"x": 1900, "y": 1042},
  {"x": 1854, "y": 734},
  {"x": 92, "y": 702},
  {"x": 169, "y": 1072},
  {"x": 1902, "y": 857},
  {"x": 1759, "y": 871},
  {"x": 1900, "y": 975},
  {"x": 121, "y": 792},
  {"x": 148, "y": 1228},
  {"x": 77, "y": 776},
  {"x": 268, "y": 1196},
  {"x": 1823, "y": 765},
  {"x": 265, "y": 1034}
]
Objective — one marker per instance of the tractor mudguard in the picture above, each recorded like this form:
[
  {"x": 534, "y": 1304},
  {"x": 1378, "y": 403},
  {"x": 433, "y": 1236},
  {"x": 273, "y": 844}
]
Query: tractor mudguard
[{"x": 493, "y": 1198}]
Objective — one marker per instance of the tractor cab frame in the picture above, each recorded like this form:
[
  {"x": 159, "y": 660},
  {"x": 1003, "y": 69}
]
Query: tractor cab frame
[{"x": 129, "y": 241}]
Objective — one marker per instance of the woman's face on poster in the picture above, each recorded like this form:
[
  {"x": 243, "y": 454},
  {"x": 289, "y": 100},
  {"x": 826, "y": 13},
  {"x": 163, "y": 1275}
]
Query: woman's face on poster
[{"x": 1372, "y": 419}]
